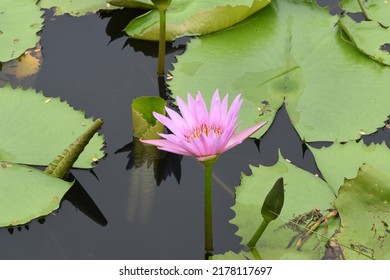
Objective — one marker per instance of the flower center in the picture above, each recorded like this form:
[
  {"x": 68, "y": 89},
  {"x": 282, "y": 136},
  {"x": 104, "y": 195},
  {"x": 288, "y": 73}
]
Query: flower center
[{"x": 205, "y": 129}]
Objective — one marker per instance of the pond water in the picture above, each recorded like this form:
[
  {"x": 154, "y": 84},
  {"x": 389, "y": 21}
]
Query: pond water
[{"x": 118, "y": 211}]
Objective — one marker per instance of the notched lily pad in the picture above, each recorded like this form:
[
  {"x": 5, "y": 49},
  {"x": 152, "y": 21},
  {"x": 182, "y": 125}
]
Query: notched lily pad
[
  {"x": 20, "y": 22},
  {"x": 341, "y": 161},
  {"x": 188, "y": 17},
  {"x": 35, "y": 129},
  {"x": 371, "y": 36},
  {"x": 364, "y": 208},
  {"x": 27, "y": 193},
  {"x": 289, "y": 236}
]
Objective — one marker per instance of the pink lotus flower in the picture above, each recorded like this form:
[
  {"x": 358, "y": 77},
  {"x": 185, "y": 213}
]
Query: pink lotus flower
[{"x": 199, "y": 133}]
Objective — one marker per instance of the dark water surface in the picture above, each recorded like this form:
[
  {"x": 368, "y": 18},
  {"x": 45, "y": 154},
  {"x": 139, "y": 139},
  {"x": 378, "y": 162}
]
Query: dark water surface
[{"x": 120, "y": 212}]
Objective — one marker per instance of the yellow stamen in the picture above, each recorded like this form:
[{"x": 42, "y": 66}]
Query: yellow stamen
[{"x": 204, "y": 129}]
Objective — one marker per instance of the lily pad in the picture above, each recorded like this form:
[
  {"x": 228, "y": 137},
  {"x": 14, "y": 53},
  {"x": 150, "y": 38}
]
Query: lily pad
[
  {"x": 370, "y": 36},
  {"x": 188, "y": 17},
  {"x": 363, "y": 205},
  {"x": 145, "y": 124},
  {"x": 20, "y": 22},
  {"x": 75, "y": 8},
  {"x": 290, "y": 52},
  {"x": 341, "y": 161},
  {"x": 31, "y": 130},
  {"x": 27, "y": 193},
  {"x": 35, "y": 129},
  {"x": 305, "y": 194}
]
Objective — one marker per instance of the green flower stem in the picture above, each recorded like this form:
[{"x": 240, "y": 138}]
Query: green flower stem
[
  {"x": 258, "y": 233},
  {"x": 161, "y": 46},
  {"x": 208, "y": 204}
]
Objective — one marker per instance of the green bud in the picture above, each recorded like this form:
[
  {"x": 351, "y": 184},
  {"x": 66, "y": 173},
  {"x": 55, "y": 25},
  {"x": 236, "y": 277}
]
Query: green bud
[
  {"x": 273, "y": 202},
  {"x": 271, "y": 209}
]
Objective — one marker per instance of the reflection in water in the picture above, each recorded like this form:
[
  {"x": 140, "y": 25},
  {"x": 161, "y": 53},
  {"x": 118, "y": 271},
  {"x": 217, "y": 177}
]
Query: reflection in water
[
  {"x": 151, "y": 167},
  {"x": 22, "y": 71},
  {"x": 164, "y": 164},
  {"x": 163, "y": 88},
  {"x": 142, "y": 185},
  {"x": 141, "y": 194},
  {"x": 149, "y": 48}
]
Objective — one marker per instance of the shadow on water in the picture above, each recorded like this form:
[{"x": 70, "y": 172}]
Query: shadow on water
[
  {"x": 81, "y": 200},
  {"x": 118, "y": 20}
]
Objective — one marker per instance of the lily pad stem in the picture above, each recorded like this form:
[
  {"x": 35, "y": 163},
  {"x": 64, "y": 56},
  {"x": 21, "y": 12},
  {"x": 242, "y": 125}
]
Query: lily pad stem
[
  {"x": 161, "y": 46},
  {"x": 258, "y": 233}
]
